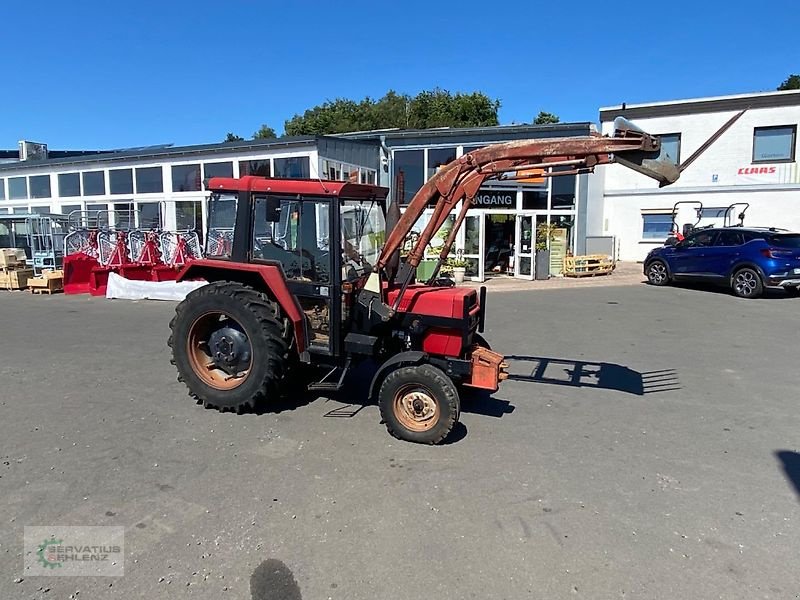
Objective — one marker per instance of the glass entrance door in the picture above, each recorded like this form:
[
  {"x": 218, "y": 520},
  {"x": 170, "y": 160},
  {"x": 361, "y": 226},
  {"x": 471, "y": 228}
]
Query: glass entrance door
[
  {"x": 524, "y": 246},
  {"x": 474, "y": 246}
]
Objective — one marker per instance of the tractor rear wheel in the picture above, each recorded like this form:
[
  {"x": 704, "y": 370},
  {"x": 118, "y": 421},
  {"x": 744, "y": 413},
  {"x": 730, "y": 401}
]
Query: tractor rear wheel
[
  {"x": 228, "y": 346},
  {"x": 419, "y": 404}
]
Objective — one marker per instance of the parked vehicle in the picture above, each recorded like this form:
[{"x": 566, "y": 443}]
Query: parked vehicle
[
  {"x": 312, "y": 284},
  {"x": 746, "y": 260}
]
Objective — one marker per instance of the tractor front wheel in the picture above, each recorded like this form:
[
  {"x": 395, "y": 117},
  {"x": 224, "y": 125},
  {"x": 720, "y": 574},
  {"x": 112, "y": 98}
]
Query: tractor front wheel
[
  {"x": 228, "y": 347},
  {"x": 419, "y": 404}
]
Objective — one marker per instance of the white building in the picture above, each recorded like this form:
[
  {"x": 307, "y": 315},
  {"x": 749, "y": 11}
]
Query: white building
[{"x": 753, "y": 163}]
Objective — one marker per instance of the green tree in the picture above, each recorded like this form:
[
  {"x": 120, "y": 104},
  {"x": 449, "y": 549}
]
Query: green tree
[
  {"x": 264, "y": 133},
  {"x": 232, "y": 137},
  {"x": 792, "y": 83},
  {"x": 436, "y": 108},
  {"x": 545, "y": 118}
]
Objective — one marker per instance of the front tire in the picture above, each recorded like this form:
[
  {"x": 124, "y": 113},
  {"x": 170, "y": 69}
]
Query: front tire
[
  {"x": 657, "y": 273},
  {"x": 746, "y": 283},
  {"x": 419, "y": 404},
  {"x": 228, "y": 347}
]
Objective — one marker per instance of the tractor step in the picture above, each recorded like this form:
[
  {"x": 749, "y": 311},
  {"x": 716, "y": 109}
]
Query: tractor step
[{"x": 326, "y": 385}]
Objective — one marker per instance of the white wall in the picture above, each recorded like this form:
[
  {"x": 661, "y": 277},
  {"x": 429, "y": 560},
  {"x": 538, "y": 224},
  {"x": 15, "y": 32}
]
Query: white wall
[{"x": 718, "y": 178}]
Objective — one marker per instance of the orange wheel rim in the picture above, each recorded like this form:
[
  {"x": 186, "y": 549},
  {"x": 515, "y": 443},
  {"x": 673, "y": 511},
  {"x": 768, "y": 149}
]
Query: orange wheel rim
[
  {"x": 203, "y": 344},
  {"x": 415, "y": 408}
]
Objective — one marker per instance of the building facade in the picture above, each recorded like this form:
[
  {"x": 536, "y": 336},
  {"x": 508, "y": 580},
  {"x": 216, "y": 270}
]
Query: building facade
[
  {"x": 164, "y": 186},
  {"x": 751, "y": 168}
]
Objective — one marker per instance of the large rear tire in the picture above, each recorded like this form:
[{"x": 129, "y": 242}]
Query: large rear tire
[
  {"x": 228, "y": 346},
  {"x": 419, "y": 404}
]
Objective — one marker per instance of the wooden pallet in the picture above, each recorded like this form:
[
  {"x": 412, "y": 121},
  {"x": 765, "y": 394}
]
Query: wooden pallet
[
  {"x": 15, "y": 279},
  {"x": 588, "y": 266},
  {"x": 49, "y": 282}
]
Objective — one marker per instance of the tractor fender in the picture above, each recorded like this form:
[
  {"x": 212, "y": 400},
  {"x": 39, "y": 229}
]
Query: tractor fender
[
  {"x": 411, "y": 357},
  {"x": 266, "y": 278}
]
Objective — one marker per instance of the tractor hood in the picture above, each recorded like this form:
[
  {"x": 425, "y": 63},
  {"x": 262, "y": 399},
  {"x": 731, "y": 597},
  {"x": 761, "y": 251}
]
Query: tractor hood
[{"x": 446, "y": 302}]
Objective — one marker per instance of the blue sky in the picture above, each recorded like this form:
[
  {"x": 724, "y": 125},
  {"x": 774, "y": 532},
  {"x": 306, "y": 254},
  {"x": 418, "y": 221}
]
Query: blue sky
[{"x": 118, "y": 74}]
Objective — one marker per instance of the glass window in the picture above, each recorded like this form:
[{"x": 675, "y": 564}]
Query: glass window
[
  {"x": 189, "y": 217},
  {"x": 534, "y": 199},
  {"x": 150, "y": 215},
  {"x": 670, "y": 147},
  {"x": 408, "y": 167},
  {"x": 120, "y": 181},
  {"x": 716, "y": 212},
  {"x": 66, "y": 209},
  {"x": 40, "y": 186},
  {"x": 439, "y": 157},
  {"x": 220, "y": 169},
  {"x": 332, "y": 170},
  {"x": 294, "y": 167},
  {"x": 773, "y": 144},
  {"x": 94, "y": 183},
  {"x": 294, "y": 234},
  {"x": 186, "y": 178},
  {"x": 656, "y": 226},
  {"x": 41, "y": 210},
  {"x": 17, "y": 188},
  {"x": 785, "y": 240},
  {"x": 149, "y": 180},
  {"x": 368, "y": 176},
  {"x": 69, "y": 185},
  {"x": 363, "y": 235},
  {"x": 221, "y": 221},
  {"x": 21, "y": 210},
  {"x": 701, "y": 239},
  {"x": 729, "y": 237},
  {"x": 124, "y": 215},
  {"x": 259, "y": 168},
  {"x": 563, "y": 190},
  {"x": 96, "y": 215},
  {"x": 2, "y": 189}
]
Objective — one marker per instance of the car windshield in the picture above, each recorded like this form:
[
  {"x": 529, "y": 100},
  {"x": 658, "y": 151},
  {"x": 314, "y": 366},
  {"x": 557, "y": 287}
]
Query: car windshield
[
  {"x": 363, "y": 228},
  {"x": 791, "y": 240}
]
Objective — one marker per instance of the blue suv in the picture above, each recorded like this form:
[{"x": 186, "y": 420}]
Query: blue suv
[{"x": 745, "y": 259}]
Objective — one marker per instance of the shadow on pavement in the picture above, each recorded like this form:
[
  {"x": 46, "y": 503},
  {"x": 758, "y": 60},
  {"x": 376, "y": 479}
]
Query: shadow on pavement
[
  {"x": 790, "y": 461},
  {"x": 602, "y": 375}
]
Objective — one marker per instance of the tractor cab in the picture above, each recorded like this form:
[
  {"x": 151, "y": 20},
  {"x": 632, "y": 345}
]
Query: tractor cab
[{"x": 324, "y": 236}]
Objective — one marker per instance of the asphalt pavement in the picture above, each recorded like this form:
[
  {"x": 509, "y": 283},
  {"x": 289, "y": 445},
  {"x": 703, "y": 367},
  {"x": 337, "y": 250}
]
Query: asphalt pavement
[{"x": 645, "y": 447}]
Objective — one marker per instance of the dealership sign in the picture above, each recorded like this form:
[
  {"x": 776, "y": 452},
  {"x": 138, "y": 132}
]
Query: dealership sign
[
  {"x": 782, "y": 173},
  {"x": 495, "y": 199}
]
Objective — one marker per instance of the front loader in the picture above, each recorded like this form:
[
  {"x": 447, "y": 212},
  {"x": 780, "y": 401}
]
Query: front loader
[{"x": 305, "y": 278}]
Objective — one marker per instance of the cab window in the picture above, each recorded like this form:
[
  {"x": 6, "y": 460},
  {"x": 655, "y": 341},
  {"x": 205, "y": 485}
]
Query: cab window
[{"x": 294, "y": 233}]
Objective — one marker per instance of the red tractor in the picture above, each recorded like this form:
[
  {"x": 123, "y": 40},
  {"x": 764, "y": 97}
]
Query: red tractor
[{"x": 311, "y": 279}]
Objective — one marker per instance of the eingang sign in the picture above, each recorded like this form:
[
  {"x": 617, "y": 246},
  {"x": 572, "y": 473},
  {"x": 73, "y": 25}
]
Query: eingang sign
[{"x": 495, "y": 199}]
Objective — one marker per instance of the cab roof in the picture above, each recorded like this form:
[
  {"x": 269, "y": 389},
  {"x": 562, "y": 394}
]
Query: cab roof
[{"x": 305, "y": 187}]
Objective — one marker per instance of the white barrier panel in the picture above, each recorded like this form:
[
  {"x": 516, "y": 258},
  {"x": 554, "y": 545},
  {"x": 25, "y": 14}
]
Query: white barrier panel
[{"x": 129, "y": 289}]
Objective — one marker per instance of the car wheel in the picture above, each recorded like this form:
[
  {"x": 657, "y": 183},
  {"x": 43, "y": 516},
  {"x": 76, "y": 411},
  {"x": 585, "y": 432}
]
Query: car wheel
[
  {"x": 657, "y": 273},
  {"x": 747, "y": 283}
]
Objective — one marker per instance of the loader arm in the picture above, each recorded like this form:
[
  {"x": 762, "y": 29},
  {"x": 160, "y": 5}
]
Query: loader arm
[{"x": 461, "y": 179}]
